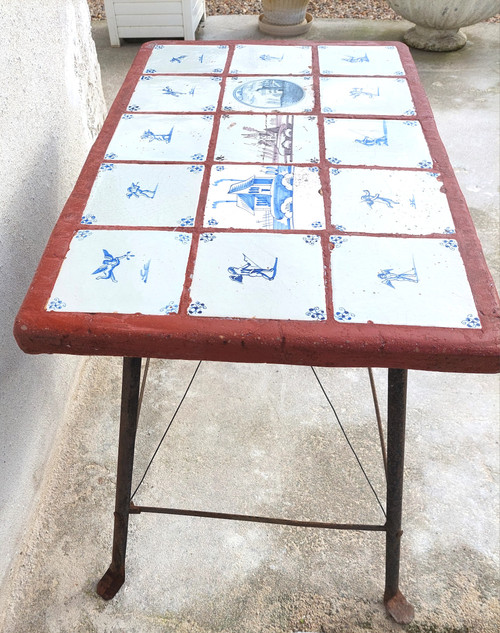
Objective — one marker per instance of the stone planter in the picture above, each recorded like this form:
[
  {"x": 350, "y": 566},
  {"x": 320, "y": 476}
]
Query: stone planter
[
  {"x": 284, "y": 17},
  {"x": 437, "y": 23}
]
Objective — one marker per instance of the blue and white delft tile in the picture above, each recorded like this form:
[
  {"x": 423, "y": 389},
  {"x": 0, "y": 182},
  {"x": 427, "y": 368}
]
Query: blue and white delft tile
[
  {"x": 386, "y": 143},
  {"x": 259, "y": 275},
  {"x": 384, "y": 201},
  {"x": 269, "y": 94},
  {"x": 121, "y": 271},
  {"x": 359, "y": 60},
  {"x": 251, "y": 59},
  {"x": 275, "y": 197},
  {"x": 144, "y": 195},
  {"x": 401, "y": 281},
  {"x": 176, "y": 94},
  {"x": 181, "y": 59},
  {"x": 365, "y": 95},
  {"x": 162, "y": 137},
  {"x": 270, "y": 138}
]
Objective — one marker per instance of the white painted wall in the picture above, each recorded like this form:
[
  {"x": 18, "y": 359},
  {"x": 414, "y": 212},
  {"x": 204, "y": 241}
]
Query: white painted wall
[{"x": 51, "y": 108}]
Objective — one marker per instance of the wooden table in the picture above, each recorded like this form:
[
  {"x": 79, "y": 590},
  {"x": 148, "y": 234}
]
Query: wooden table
[{"x": 268, "y": 202}]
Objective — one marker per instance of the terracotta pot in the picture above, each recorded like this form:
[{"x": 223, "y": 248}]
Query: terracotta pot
[
  {"x": 437, "y": 23},
  {"x": 284, "y": 12}
]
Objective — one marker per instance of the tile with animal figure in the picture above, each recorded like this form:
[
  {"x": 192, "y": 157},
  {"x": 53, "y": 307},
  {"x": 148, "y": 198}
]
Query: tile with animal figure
[
  {"x": 187, "y": 59},
  {"x": 156, "y": 93},
  {"x": 256, "y": 59},
  {"x": 122, "y": 271},
  {"x": 359, "y": 60}
]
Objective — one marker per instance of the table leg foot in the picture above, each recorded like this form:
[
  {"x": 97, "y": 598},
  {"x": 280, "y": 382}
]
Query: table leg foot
[
  {"x": 400, "y": 610},
  {"x": 110, "y": 583}
]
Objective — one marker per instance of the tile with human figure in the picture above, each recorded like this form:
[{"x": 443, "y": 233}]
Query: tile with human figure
[
  {"x": 183, "y": 59},
  {"x": 175, "y": 94},
  {"x": 364, "y": 59}
]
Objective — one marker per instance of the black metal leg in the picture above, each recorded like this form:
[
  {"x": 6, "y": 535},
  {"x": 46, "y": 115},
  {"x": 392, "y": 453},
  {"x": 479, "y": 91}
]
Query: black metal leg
[
  {"x": 114, "y": 578},
  {"x": 395, "y": 602}
]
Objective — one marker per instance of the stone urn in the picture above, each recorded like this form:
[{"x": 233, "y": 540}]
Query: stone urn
[
  {"x": 437, "y": 22},
  {"x": 285, "y": 17}
]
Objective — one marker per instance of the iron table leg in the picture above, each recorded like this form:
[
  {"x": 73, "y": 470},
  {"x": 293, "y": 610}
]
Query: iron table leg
[
  {"x": 395, "y": 602},
  {"x": 114, "y": 578}
]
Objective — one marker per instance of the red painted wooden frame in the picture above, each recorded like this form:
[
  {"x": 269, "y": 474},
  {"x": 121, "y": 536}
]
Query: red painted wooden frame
[{"x": 325, "y": 343}]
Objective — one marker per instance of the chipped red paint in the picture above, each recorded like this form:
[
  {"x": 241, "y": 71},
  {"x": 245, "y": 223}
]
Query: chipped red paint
[{"x": 326, "y": 343}]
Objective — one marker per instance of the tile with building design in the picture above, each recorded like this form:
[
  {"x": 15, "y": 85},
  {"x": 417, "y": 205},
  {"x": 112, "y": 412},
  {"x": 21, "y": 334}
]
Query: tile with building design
[
  {"x": 366, "y": 95},
  {"x": 161, "y": 137},
  {"x": 268, "y": 94},
  {"x": 156, "y": 93},
  {"x": 269, "y": 138},
  {"x": 401, "y": 281},
  {"x": 122, "y": 271},
  {"x": 252, "y": 59},
  {"x": 274, "y": 197},
  {"x": 359, "y": 60},
  {"x": 385, "y": 201},
  {"x": 385, "y": 143},
  {"x": 144, "y": 195},
  {"x": 182, "y": 59},
  {"x": 259, "y": 275}
]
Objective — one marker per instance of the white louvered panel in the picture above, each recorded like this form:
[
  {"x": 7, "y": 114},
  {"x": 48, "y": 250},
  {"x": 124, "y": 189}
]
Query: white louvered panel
[
  {"x": 153, "y": 20},
  {"x": 154, "y": 32},
  {"x": 152, "y": 8}
]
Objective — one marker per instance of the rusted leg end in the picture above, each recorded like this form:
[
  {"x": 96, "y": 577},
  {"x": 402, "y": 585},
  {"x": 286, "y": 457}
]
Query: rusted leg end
[
  {"x": 110, "y": 583},
  {"x": 399, "y": 608}
]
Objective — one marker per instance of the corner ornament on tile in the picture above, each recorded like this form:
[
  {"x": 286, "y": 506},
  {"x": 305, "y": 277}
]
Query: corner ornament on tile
[
  {"x": 56, "y": 304},
  {"x": 316, "y": 313},
  {"x": 472, "y": 321},
  {"x": 196, "y": 308},
  {"x": 170, "y": 308},
  {"x": 251, "y": 269},
  {"x": 343, "y": 315},
  {"x": 109, "y": 263}
]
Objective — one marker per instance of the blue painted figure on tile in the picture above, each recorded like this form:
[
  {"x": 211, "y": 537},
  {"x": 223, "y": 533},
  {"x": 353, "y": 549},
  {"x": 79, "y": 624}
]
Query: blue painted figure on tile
[
  {"x": 369, "y": 141},
  {"x": 145, "y": 271},
  {"x": 109, "y": 263},
  {"x": 136, "y": 191},
  {"x": 268, "y": 197},
  {"x": 387, "y": 277},
  {"x": 358, "y": 92},
  {"x": 178, "y": 59},
  {"x": 270, "y": 58},
  {"x": 269, "y": 93},
  {"x": 275, "y": 140},
  {"x": 175, "y": 93},
  {"x": 251, "y": 269},
  {"x": 150, "y": 136},
  {"x": 371, "y": 199},
  {"x": 356, "y": 60}
]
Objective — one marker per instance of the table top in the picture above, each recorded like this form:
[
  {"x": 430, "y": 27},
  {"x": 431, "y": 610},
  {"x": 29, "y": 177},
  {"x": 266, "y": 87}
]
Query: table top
[{"x": 286, "y": 202}]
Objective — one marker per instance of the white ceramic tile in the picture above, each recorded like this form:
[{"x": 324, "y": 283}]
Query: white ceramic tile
[
  {"x": 270, "y": 138},
  {"x": 122, "y": 271},
  {"x": 161, "y": 137},
  {"x": 182, "y": 59},
  {"x": 144, "y": 195},
  {"x": 258, "y": 94},
  {"x": 366, "y": 95},
  {"x": 279, "y": 197},
  {"x": 251, "y": 59},
  {"x": 359, "y": 60},
  {"x": 155, "y": 93},
  {"x": 386, "y": 143},
  {"x": 255, "y": 275},
  {"x": 383, "y": 201},
  {"x": 401, "y": 281}
]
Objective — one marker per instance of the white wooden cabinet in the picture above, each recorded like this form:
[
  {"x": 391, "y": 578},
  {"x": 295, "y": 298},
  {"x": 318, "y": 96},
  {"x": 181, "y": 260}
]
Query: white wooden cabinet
[{"x": 154, "y": 19}]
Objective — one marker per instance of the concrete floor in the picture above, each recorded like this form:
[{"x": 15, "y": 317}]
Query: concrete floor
[{"x": 279, "y": 451}]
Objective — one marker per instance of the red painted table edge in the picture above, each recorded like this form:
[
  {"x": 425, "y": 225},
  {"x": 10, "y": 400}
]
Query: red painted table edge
[{"x": 265, "y": 341}]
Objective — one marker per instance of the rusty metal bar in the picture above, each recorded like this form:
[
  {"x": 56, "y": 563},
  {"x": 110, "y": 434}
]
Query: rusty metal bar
[
  {"x": 114, "y": 577},
  {"x": 379, "y": 419},
  {"x": 134, "y": 509},
  {"x": 396, "y": 604}
]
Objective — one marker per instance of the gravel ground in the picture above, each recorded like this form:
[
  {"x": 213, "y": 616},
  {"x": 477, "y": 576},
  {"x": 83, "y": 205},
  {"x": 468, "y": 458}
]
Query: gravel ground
[{"x": 369, "y": 9}]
